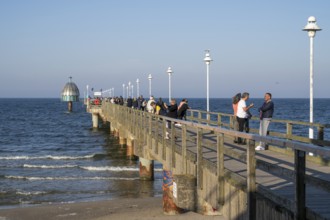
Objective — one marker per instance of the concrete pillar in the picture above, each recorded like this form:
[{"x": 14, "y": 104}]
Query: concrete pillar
[
  {"x": 146, "y": 169},
  {"x": 184, "y": 191},
  {"x": 70, "y": 106},
  {"x": 95, "y": 118},
  {"x": 130, "y": 148},
  {"x": 169, "y": 207},
  {"x": 122, "y": 140}
]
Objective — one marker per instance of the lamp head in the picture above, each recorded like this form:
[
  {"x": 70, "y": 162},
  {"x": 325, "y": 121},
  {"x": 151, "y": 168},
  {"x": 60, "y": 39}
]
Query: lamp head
[
  {"x": 207, "y": 58},
  {"x": 311, "y": 26},
  {"x": 169, "y": 71}
]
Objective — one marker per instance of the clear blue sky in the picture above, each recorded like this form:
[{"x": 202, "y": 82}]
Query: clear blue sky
[{"x": 257, "y": 46}]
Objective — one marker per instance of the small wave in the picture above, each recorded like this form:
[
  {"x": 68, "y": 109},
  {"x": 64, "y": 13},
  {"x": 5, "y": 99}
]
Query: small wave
[
  {"x": 49, "y": 167},
  {"x": 114, "y": 169},
  {"x": 24, "y": 193},
  {"x": 52, "y": 157},
  {"x": 68, "y": 178}
]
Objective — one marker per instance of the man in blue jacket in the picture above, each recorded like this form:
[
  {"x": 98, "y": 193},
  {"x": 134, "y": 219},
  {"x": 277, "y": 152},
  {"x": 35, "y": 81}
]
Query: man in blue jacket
[{"x": 266, "y": 113}]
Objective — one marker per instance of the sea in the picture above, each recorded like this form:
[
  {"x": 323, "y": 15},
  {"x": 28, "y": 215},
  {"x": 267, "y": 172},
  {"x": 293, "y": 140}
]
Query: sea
[{"x": 49, "y": 155}]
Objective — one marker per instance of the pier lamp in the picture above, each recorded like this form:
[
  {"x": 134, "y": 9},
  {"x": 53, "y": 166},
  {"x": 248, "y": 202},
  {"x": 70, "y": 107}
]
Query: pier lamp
[
  {"x": 311, "y": 29},
  {"x": 149, "y": 78},
  {"x": 137, "y": 87},
  {"x": 129, "y": 88},
  {"x": 113, "y": 92},
  {"x": 169, "y": 72},
  {"x": 132, "y": 90},
  {"x": 123, "y": 90},
  {"x": 127, "y": 92},
  {"x": 207, "y": 60}
]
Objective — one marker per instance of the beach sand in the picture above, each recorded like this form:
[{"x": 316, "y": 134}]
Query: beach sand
[{"x": 122, "y": 209}]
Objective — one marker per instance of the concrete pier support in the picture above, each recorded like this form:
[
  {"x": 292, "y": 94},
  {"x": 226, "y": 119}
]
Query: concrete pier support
[
  {"x": 169, "y": 207},
  {"x": 146, "y": 169},
  {"x": 95, "y": 118},
  {"x": 122, "y": 140},
  {"x": 184, "y": 191},
  {"x": 130, "y": 148},
  {"x": 70, "y": 106}
]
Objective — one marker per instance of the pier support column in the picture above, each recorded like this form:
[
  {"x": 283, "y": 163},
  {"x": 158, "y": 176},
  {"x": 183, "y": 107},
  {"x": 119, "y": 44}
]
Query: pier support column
[
  {"x": 122, "y": 140},
  {"x": 146, "y": 169},
  {"x": 169, "y": 207},
  {"x": 184, "y": 191},
  {"x": 95, "y": 118},
  {"x": 70, "y": 106},
  {"x": 130, "y": 149}
]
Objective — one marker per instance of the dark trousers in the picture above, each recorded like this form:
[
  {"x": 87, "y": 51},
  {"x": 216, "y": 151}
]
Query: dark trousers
[{"x": 243, "y": 125}]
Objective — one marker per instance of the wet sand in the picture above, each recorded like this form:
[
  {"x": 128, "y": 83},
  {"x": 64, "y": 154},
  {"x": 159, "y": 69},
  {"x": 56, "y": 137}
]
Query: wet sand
[{"x": 122, "y": 209}]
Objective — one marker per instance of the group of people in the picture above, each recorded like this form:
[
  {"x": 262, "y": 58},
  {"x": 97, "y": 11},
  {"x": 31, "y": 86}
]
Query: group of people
[{"x": 242, "y": 115}]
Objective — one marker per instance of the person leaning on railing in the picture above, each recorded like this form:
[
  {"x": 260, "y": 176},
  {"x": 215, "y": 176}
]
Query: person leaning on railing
[{"x": 266, "y": 113}]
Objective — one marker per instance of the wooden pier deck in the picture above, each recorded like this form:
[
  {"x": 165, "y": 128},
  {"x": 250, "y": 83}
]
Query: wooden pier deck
[{"x": 234, "y": 179}]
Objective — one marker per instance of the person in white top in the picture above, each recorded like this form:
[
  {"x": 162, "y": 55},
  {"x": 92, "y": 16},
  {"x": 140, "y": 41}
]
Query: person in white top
[{"x": 242, "y": 115}]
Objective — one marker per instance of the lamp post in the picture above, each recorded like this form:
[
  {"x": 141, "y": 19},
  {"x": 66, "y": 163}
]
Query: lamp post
[
  {"x": 123, "y": 90},
  {"x": 207, "y": 60},
  {"x": 132, "y": 90},
  {"x": 127, "y": 92},
  {"x": 113, "y": 92},
  {"x": 137, "y": 88},
  {"x": 129, "y": 88},
  {"x": 311, "y": 28},
  {"x": 169, "y": 72},
  {"x": 150, "y": 78}
]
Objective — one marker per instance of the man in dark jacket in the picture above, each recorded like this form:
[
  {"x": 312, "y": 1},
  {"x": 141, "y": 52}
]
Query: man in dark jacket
[
  {"x": 172, "y": 112},
  {"x": 266, "y": 113}
]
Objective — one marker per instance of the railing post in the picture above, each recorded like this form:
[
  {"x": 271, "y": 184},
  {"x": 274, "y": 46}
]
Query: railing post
[
  {"x": 219, "y": 119},
  {"x": 172, "y": 145},
  {"x": 320, "y": 133},
  {"x": 164, "y": 142},
  {"x": 199, "y": 158},
  {"x": 300, "y": 194},
  {"x": 289, "y": 130},
  {"x": 184, "y": 148},
  {"x": 221, "y": 168},
  {"x": 156, "y": 134},
  {"x": 251, "y": 180}
]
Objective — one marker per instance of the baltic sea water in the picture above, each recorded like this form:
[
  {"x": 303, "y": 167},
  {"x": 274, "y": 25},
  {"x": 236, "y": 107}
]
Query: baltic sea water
[{"x": 48, "y": 155}]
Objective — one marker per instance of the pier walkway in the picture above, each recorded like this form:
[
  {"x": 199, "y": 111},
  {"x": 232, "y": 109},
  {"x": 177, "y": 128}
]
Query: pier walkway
[{"x": 213, "y": 175}]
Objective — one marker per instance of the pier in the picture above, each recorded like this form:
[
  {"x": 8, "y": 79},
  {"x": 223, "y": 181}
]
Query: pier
[{"x": 206, "y": 172}]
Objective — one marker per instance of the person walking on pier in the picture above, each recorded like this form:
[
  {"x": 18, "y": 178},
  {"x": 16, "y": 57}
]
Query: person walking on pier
[
  {"x": 266, "y": 113},
  {"x": 150, "y": 109},
  {"x": 243, "y": 115},
  {"x": 172, "y": 112},
  {"x": 182, "y": 109}
]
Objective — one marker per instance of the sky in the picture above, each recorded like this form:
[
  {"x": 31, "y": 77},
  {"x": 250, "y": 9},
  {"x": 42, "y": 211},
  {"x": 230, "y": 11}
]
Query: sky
[{"x": 257, "y": 46}]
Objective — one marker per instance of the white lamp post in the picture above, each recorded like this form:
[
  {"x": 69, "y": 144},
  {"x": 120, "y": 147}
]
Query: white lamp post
[
  {"x": 207, "y": 60},
  {"x": 113, "y": 92},
  {"x": 169, "y": 72},
  {"x": 132, "y": 90},
  {"x": 150, "y": 78},
  {"x": 127, "y": 92},
  {"x": 137, "y": 87},
  {"x": 87, "y": 95},
  {"x": 123, "y": 90},
  {"x": 129, "y": 88},
  {"x": 311, "y": 28}
]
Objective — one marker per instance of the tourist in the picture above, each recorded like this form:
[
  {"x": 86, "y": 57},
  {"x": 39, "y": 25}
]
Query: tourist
[
  {"x": 236, "y": 99},
  {"x": 266, "y": 113},
  {"x": 182, "y": 109},
  {"x": 243, "y": 116},
  {"x": 172, "y": 112},
  {"x": 129, "y": 102},
  {"x": 135, "y": 103},
  {"x": 140, "y": 100},
  {"x": 161, "y": 107},
  {"x": 150, "y": 109}
]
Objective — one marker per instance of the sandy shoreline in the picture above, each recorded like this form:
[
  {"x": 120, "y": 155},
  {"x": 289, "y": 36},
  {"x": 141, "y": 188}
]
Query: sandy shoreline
[{"x": 130, "y": 208}]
